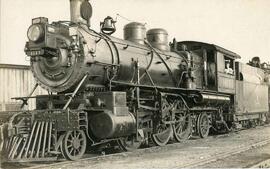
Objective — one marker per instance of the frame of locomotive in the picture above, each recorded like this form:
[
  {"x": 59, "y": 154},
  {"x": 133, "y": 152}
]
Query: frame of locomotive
[{"x": 156, "y": 105}]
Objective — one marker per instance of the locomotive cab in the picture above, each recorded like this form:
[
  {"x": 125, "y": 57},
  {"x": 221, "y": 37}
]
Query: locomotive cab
[{"x": 214, "y": 67}]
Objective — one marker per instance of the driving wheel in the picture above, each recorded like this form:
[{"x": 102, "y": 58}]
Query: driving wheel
[
  {"x": 129, "y": 143},
  {"x": 203, "y": 125},
  {"x": 182, "y": 128},
  {"x": 163, "y": 134},
  {"x": 162, "y": 130}
]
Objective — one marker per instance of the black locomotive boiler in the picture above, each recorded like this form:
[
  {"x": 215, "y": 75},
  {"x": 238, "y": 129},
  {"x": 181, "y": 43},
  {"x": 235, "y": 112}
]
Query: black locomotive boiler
[{"x": 128, "y": 92}]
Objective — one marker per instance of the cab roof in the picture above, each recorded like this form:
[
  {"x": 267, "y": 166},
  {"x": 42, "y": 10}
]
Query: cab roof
[{"x": 207, "y": 45}]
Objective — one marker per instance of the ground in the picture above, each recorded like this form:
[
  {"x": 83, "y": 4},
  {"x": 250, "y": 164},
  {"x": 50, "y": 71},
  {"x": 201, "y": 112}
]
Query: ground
[{"x": 239, "y": 149}]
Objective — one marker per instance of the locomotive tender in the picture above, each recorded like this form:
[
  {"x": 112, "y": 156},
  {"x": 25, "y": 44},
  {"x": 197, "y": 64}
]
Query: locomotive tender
[{"x": 128, "y": 92}]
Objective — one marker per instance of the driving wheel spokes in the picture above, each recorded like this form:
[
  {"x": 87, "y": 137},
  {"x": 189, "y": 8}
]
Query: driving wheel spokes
[
  {"x": 182, "y": 128},
  {"x": 74, "y": 144},
  {"x": 129, "y": 143},
  {"x": 162, "y": 134},
  {"x": 203, "y": 125}
]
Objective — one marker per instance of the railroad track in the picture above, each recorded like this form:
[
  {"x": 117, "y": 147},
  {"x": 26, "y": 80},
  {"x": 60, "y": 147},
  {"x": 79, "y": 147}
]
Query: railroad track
[
  {"x": 194, "y": 163},
  {"x": 225, "y": 154},
  {"x": 189, "y": 165}
]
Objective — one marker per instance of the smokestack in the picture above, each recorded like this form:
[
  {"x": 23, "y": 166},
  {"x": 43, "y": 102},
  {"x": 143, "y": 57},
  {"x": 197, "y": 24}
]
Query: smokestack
[{"x": 80, "y": 11}]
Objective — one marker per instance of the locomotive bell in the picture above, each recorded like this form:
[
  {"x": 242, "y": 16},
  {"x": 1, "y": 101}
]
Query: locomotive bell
[{"x": 108, "y": 25}]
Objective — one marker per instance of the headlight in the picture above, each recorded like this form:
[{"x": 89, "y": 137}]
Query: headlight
[{"x": 35, "y": 33}]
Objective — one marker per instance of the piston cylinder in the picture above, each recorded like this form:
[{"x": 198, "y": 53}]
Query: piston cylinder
[
  {"x": 108, "y": 125},
  {"x": 135, "y": 32}
]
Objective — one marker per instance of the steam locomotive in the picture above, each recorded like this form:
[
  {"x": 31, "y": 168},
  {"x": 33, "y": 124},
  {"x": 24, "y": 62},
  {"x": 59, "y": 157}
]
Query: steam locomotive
[{"x": 128, "y": 92}]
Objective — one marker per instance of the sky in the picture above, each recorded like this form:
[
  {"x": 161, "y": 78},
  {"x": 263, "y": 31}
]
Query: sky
[{"x": 242, "y": 26}]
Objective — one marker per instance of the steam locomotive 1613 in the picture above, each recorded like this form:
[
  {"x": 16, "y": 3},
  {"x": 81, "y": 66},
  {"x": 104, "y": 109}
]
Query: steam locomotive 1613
[{"x": 128, "y": 92}]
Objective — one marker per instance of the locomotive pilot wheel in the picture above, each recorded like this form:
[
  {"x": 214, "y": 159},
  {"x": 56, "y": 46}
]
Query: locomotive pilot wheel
[
  {"x": 74, "y": 144},
  {"x": 203, "y": 125}
]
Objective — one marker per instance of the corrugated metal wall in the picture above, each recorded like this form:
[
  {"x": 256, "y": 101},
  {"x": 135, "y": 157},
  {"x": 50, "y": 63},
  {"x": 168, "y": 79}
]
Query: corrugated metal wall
[{"x": 16, "y": 81}]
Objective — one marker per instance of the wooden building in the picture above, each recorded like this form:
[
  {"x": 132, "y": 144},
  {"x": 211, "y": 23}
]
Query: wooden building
[{"x": 16, "y": 81}]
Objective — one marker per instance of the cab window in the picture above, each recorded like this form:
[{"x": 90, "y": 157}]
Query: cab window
[{"x": 229, "y": 66}]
